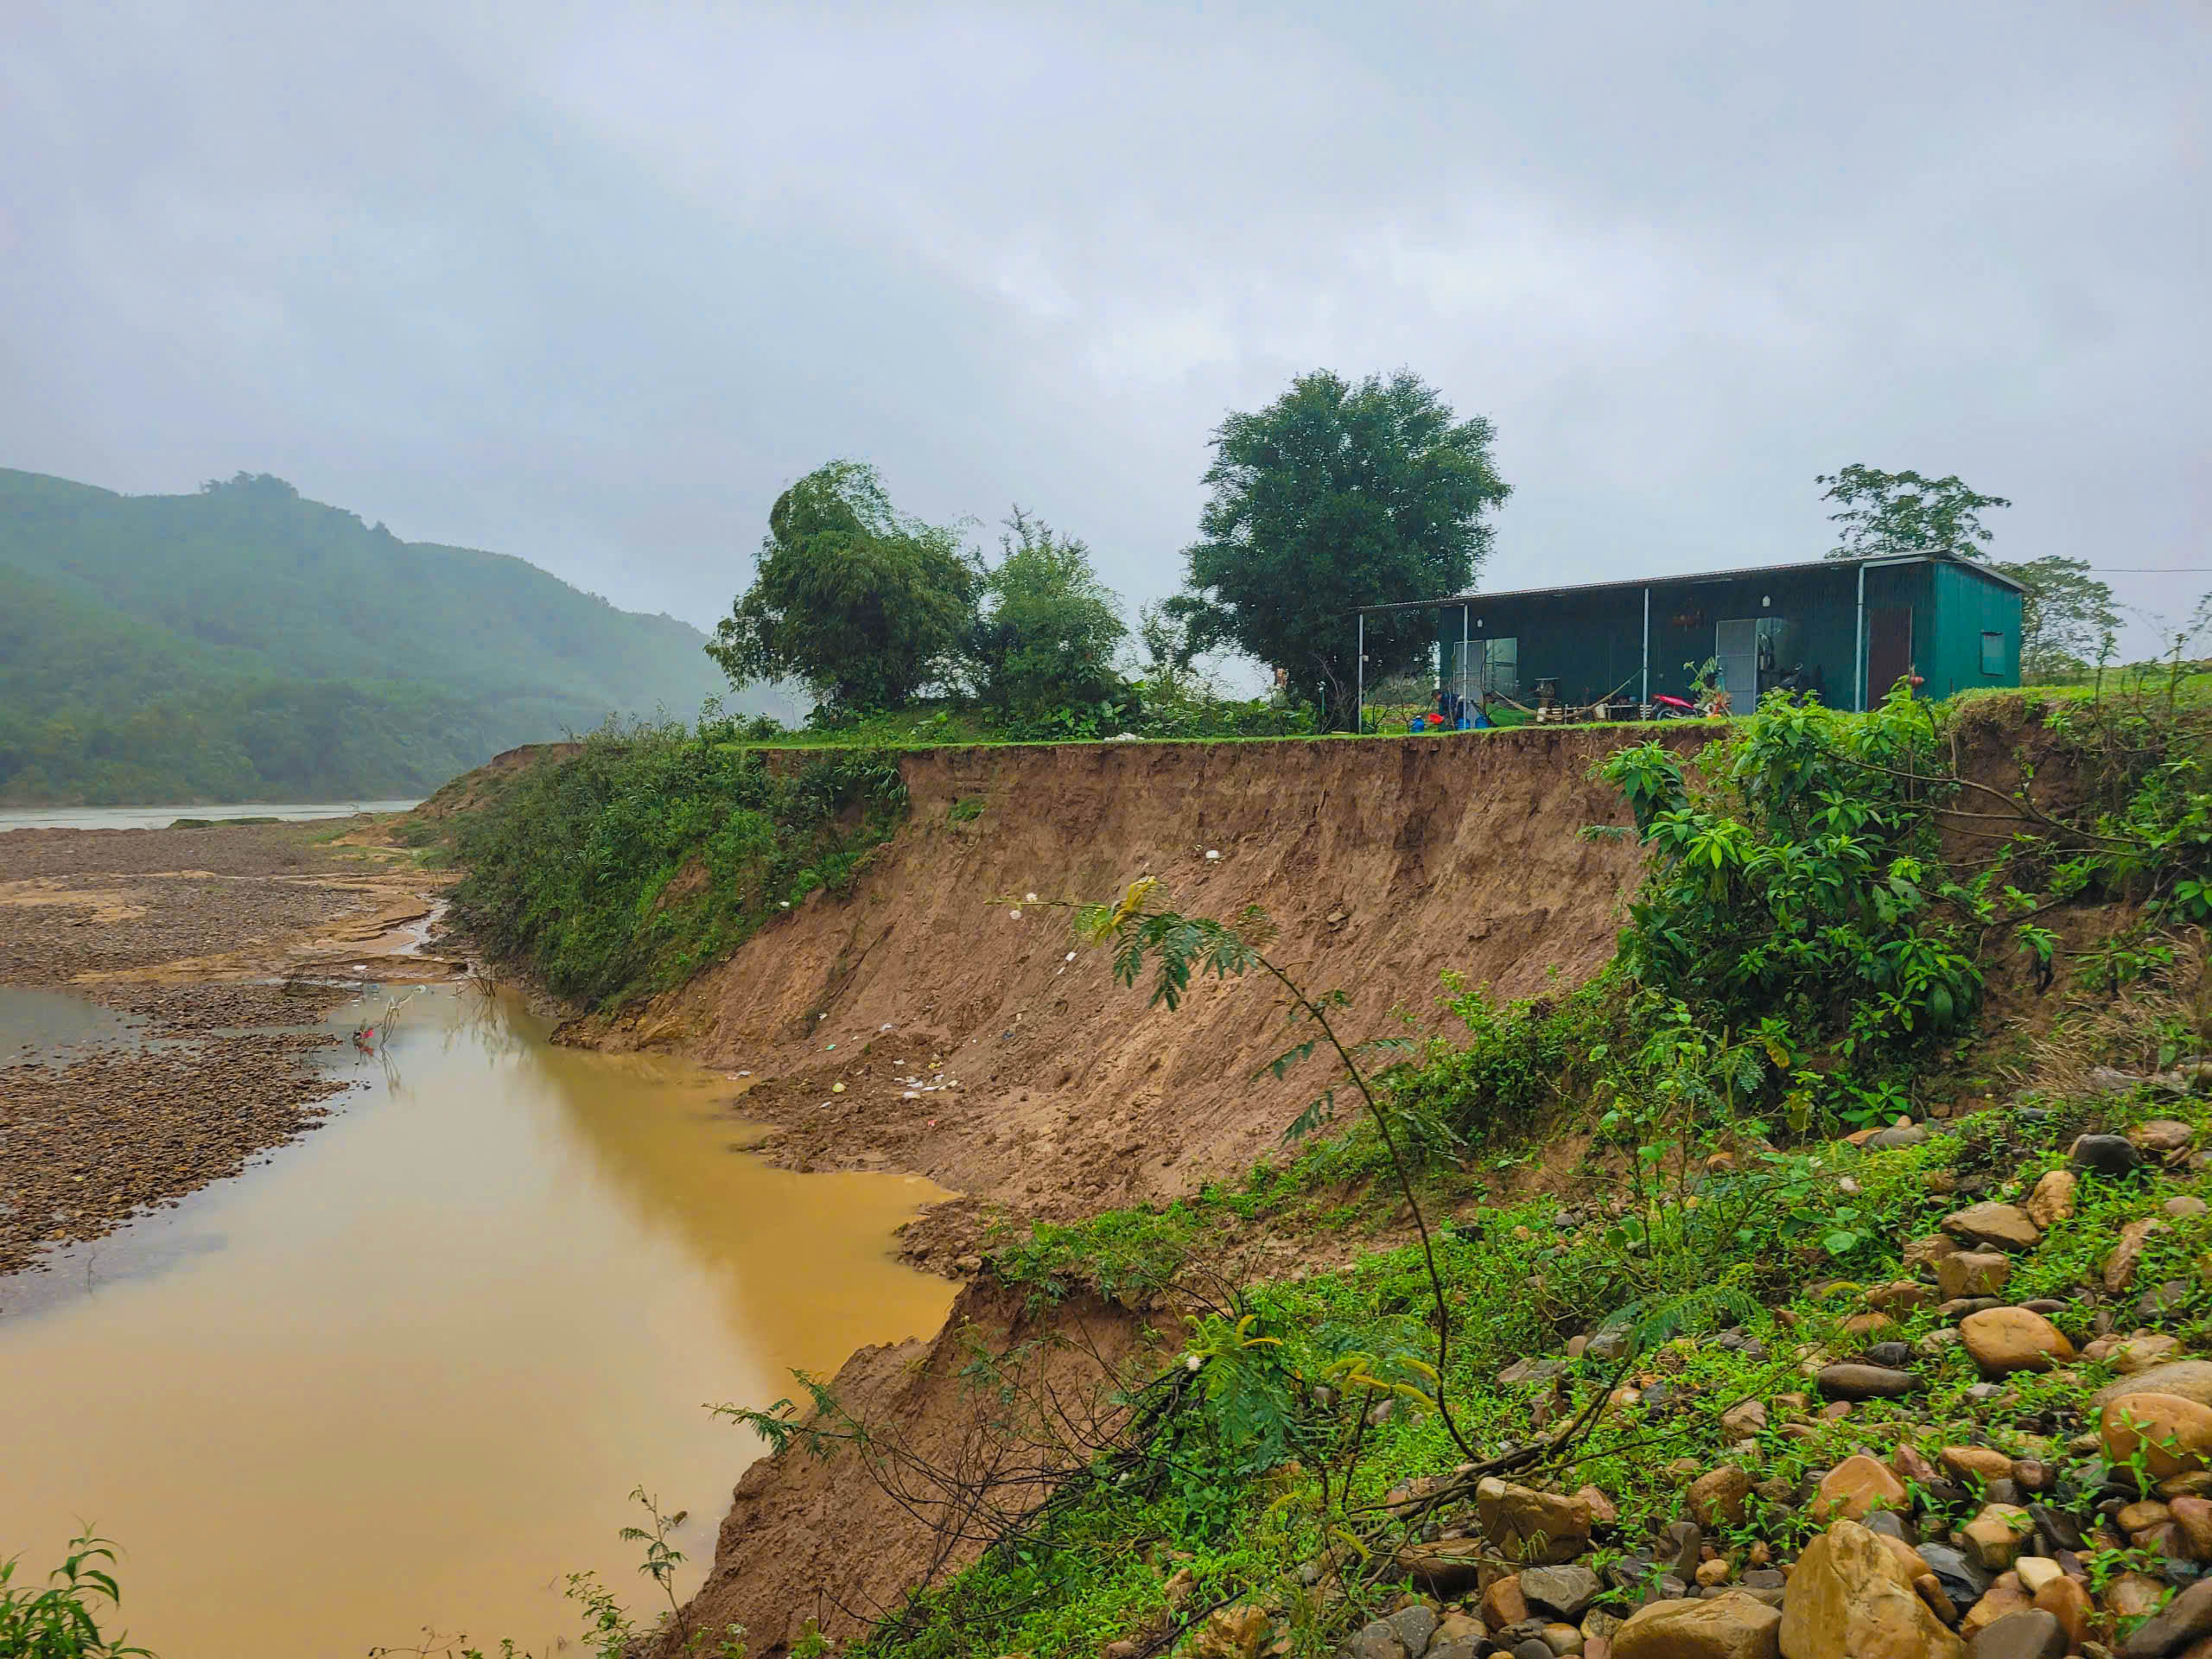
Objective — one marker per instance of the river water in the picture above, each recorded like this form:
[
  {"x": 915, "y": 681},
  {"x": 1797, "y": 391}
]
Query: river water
[
  {"x": 160, "y": 817},
  {"x": 404, "y": 1373}
]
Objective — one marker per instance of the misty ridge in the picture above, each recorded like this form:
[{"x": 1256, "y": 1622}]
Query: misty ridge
[{"x": 245, "y": 644}]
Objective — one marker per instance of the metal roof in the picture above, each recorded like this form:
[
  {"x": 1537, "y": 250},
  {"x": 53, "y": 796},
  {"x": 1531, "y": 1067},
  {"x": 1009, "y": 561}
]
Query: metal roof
[{"x": 1980, "y": 569}]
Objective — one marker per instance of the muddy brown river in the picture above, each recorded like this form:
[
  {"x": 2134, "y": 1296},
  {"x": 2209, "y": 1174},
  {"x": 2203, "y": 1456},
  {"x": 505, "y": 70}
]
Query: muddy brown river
[{"x": 404, "y": 1373}]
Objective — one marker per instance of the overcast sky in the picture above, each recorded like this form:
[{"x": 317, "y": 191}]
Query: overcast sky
[{"x": 590, "y": 285}]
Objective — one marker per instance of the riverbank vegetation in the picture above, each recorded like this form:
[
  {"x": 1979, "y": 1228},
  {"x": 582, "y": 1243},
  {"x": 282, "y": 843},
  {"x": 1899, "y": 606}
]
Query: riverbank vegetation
[{"x": 652, "y": 850}]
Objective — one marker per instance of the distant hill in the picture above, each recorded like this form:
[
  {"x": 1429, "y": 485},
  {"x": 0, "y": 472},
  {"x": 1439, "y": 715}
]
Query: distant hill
[{"x": 243, "y": 644}]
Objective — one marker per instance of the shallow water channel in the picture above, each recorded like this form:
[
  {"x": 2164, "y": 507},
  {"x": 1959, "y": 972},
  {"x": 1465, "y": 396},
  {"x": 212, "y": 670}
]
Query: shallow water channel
[{"x": 404, "y": 1373}]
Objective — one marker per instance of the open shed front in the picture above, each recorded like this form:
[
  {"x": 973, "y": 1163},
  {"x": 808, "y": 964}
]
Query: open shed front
[{"x": 1810, "y": 626}]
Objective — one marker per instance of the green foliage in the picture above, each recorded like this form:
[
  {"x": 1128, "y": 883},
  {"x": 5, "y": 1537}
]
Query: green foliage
[
  {"x": 864, "y": 604},
  {"x": 1514, "y": 1059},
  {"x": 1336, "y": 495},
  {"x": 1045, "y": 634},
  {"x": 658, "y": 850},
  {"x": 61, "y": 1619},
  {"x": 1124, "y": 1255},
  {"x": 1794, "y": 878},
  {"x": 2068, "y": 617},
  {"x": 244, "y": 644},
  {"x": 1903, "y": 513}
]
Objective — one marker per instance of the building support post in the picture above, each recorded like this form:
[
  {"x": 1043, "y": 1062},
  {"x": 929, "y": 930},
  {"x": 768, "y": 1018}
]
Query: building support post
[
  {"x": 1463, "y": 659},
  {"x": 1646, "y": 698},
  {"x": 1359, "y": 682},
  {"x": 1859, "y": 649}
]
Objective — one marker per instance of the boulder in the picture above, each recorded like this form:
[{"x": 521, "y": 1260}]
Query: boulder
[
  {"x": 1731, "y": 1625},
  {"x": 1746, "y": 1419},
  {"x": 1561, "y": 1591},
  {"x": 2141, "y": 1353},
  {"x": 1415, "y": 1625},
  {"x": 2133, "y": 1595},
  {"x": 2174, "y": 1434},
  {"x": 2003, "y": 1340},
  {"x": 1963, "y": 1578},
  {"x": 1446, "y": 1569},
  {"x": 2120, "y": 1266},
  {"x": 1374, "y": 1640},
  {"x": 2106, "y": 1154},
  {"x": 1897, "y": 1134},
  {"x": 1927, "y": 1252},
  {"x": 1716, "y": 1498},
  {"x": 1997, "y": 1536},
  {"x": 1846, "y": 1381},
  {"x": 2006, "y": 1595},
  {"x": 2065, "y": 1600},
  {"x": 2194, "y": 1516},
  {"x": 2161, "y": 1136},
  {"x": 2052, "y": 1201},
  {"x": 2190, "y": 1378},
  {"x": 2182, "y": 1620},
  {"x": 1856, "y": 1488},
  {"x": 1994, "y": 1226},
  {"x": 1849, "y": 1597},
  {"x": 2031, "y": 1635},
  {"x": 2184, "y": 1208},
  {"x": 1503, "y": 1603},
  {"x": 1532, "y": 1527},
  {"x": 1983, "y": 1463},
  {"x": 1235, "y": 1633},
  {"x": 1972, "y": 1273},
  {"x": 1900, "y": 1296}
]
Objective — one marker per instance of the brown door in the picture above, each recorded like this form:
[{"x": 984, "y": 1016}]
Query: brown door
[{"x": 1889, "y": 649}]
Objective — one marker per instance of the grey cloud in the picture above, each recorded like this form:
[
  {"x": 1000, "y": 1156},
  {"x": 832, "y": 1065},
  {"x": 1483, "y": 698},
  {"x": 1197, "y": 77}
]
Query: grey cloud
[{"x": 590, "y": 285}]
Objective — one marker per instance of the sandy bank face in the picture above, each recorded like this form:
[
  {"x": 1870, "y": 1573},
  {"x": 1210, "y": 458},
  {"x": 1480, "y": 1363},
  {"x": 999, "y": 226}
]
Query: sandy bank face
[{"x": 975, "y": 1048}]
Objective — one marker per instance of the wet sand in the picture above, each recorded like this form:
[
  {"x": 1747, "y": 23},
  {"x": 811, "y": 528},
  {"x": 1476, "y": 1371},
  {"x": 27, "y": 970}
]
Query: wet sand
[{"x": 221, "y": 945}]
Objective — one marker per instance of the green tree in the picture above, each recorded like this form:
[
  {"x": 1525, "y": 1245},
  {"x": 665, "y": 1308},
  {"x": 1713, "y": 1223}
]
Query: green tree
[
  {"x": 1905, "y": 513},
  {"x": 865, "y": 605},
  {"x": 1045, "y": 636},
  {"x": 2067, "y": 616},
  {"x": 1335, "y": 496}
]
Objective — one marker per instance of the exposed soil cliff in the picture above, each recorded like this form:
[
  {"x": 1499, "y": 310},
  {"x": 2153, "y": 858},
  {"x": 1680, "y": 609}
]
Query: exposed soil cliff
[
  {"x": 839, "y": 1539},
  {"x": 1058, "y": 1091}
]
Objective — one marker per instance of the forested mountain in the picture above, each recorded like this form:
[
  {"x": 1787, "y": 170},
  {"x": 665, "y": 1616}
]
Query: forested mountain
[{"x": 244, "y": 644}]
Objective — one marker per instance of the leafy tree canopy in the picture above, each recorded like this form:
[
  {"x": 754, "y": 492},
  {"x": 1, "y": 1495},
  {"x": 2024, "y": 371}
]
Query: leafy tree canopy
[
  {"x": 1905, "y": 513},
  {"x": 2067, "y": 617},
  {"x": 2067, "y": 614},
  {"x": 865, "y": 605},
  {"x": 1049, "y": 627},
  {"x": 1337, "y": 495}
]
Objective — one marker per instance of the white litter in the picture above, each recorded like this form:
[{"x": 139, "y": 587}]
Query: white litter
[{"x": 1210, "y": 852}]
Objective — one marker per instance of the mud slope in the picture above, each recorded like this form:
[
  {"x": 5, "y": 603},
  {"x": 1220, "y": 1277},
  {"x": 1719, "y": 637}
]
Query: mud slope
[
  {"x": 810, "y": 1537},
  {"x": 1383, "y": 864}
]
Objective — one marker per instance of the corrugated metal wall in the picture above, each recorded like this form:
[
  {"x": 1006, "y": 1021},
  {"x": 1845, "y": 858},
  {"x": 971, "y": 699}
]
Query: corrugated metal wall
[{"x": 1592, "y": 643}]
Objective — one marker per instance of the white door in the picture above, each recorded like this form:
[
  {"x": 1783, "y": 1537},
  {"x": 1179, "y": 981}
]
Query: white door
[{"x": 1737, "y": 646}]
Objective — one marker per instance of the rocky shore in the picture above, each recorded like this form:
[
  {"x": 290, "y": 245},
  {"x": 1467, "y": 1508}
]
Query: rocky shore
[
  {"x": 2061, "y": 1504},
  {"x": 221, "y": 948}
]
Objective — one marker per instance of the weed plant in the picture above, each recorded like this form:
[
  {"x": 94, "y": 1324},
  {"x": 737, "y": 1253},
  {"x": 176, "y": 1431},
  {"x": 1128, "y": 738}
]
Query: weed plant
[{"x": 658, "y": 849}]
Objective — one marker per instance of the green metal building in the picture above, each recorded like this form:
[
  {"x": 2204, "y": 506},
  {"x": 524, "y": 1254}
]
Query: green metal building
[{"x": 1848, "y": 629}]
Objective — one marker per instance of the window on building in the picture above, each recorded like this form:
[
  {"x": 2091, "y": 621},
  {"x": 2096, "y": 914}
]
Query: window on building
[
  {"x": 1500, "y": 665},
  {"x": 1992, "y": 653}
]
